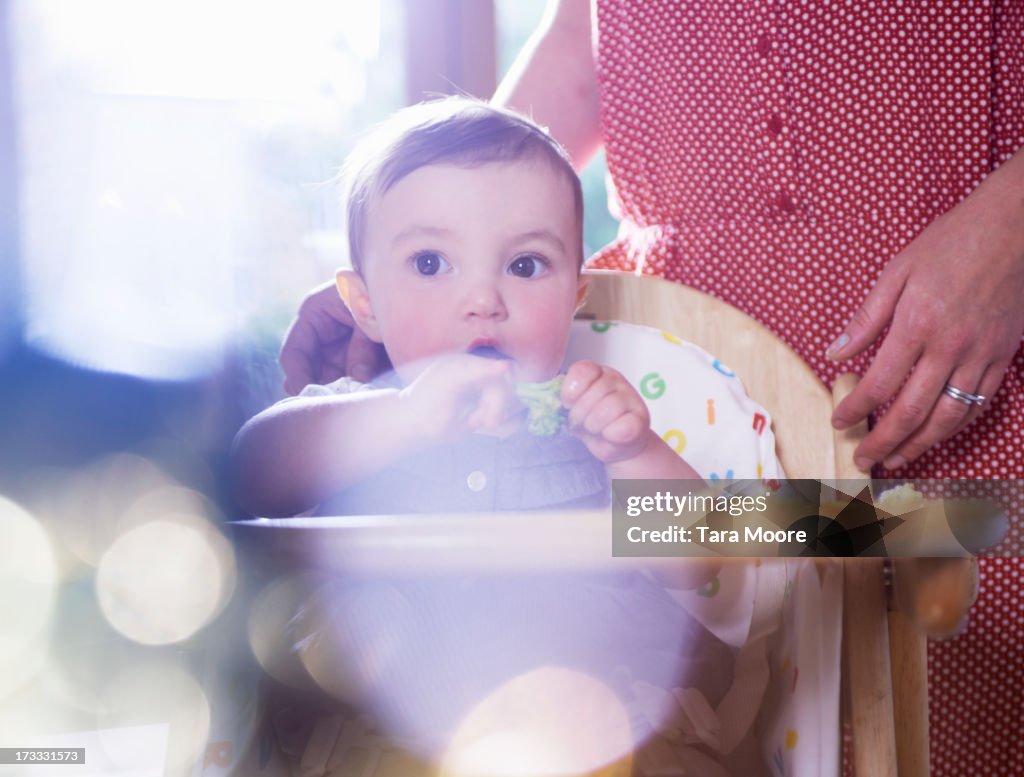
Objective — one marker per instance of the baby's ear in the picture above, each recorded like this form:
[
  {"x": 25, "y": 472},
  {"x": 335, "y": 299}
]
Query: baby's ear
[{"x": 354, "y": 294}]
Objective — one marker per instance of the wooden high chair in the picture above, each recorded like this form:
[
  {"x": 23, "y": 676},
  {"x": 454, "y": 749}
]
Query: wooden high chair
[
  {"x": 885, "y": 680},
  {"x": 884, "y": 648}
]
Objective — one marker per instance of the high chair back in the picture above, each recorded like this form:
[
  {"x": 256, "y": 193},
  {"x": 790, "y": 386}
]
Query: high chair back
[
  {"x": 772, "y": 373},
  {"x": 884, "y": 653}
]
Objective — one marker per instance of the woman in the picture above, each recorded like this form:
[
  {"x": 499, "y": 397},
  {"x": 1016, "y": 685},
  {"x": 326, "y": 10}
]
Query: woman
[{"x": 852, "y": 177}]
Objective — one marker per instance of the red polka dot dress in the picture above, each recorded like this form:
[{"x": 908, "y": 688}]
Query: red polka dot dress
[{"x": 777, "y": 155}]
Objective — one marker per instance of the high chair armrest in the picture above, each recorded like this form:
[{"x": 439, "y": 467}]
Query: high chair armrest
[
  {"x": 847, "y": 440},
  {"x": 935, "y": 593},
  {"x": 930, "y": 597},
  {"x": 866, "y": 644}
]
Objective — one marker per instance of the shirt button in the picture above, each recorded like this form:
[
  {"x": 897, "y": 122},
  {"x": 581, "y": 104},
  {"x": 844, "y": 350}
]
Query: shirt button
[
  {"x": 477, "y": 481},
  {"x": 785, "y": 203},
  {"x": 775, "y": 124},
  {"x": 764, "y": 44}
]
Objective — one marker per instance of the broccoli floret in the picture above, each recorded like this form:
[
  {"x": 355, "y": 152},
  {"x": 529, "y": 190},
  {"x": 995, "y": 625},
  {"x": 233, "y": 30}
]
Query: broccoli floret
[{"x": 544, "y": 405}]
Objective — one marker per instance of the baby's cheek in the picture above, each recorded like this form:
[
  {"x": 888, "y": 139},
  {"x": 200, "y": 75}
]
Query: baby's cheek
[
  {"x": 540, "y": 317},
  {"x": 415, "y": 337},
  {"x": 551, "y": 338}
]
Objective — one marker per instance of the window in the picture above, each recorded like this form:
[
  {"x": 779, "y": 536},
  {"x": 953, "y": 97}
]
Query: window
[
  {"x": 174, "y": 162},
  {"x": 175, "y": 158}
]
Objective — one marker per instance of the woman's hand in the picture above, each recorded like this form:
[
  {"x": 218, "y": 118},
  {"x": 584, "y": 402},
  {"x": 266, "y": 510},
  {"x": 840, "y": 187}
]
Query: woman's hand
[
  {"x": 323, "y": 344},
  {"x": 954, "y": 303}
]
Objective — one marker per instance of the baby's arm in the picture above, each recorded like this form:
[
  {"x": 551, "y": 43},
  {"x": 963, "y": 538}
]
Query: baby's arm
[
  {"x": 295, "y": 454},
  {"x": 611, "y": 419}
]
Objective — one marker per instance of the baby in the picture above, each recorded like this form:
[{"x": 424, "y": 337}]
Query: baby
[
  {"x": 465, "y": 236},
  {"x": 465, "y": 227}
]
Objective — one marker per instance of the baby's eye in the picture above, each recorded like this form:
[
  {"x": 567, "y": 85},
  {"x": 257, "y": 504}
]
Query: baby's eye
[
  {"x": 430, "y": 263},
  {"x": 528, "y": 266}
]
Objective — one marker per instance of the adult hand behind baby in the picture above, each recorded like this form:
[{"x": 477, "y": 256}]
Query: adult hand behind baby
[
  {"x": 953, "y": 302},
  {"x": 605, "y": 412},
  {"x": 324, "y": 344}
]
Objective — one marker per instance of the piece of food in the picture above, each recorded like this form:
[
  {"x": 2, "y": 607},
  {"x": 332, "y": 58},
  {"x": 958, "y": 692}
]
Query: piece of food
[
  {"x": 545, "y": 414},
  {"x": 900, "y": 499}
]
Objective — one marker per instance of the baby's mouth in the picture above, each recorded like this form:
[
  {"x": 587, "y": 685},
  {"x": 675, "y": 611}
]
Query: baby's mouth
[{"x": 487, "y": 352}]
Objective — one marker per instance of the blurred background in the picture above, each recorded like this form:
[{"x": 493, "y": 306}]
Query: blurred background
[
  {"x": 166, "y": 200},
  {"x": 167, "y": 197}
]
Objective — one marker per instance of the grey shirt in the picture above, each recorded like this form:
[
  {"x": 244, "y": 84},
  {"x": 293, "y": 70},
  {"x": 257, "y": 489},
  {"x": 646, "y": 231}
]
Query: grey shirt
[{"x": 479, "y": 473}]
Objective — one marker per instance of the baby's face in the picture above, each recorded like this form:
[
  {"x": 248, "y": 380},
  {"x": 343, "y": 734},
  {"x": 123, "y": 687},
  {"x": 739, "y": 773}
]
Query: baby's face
[{"x": 481, "y": 260}]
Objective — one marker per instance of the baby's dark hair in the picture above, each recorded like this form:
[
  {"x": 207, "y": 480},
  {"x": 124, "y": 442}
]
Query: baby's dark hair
[{"x": 456, "y": 131}]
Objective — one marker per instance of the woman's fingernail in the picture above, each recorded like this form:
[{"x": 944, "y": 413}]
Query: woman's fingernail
[
  {"x": 360, "y": 372},
  {"x": 837, "y": 344},
  {"x": 840, "y": 423},
  {"x": 894, "y": 462},
  {"x": 863, "y": 463}
]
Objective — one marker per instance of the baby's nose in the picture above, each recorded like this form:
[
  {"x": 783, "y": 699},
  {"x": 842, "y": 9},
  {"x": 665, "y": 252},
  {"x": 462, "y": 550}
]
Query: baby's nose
[{"x": 484, "y": 300}]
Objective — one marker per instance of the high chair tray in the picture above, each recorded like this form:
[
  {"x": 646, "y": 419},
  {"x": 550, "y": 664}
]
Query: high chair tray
[{"x": 440, "y": 544}]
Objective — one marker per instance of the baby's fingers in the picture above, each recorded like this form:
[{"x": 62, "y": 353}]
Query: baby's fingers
[
  {"x": 467, "y": 375},
  {"x": 625, "y": 429},
  {"x": 610, "y": 407},
  {"x": 492, "y": 408},
  {"x": 578, "y": 378},
  {"x": 581, "y": 412}
]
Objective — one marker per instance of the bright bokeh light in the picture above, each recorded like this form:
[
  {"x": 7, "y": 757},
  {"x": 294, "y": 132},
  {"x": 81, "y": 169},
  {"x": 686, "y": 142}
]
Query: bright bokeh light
[
  {"x": 425, "y": 656},
  {"x": 87, "y": 507},
  {"x": 271, "y": 628},
  {"x": 131, "y": 261},
  {"x": 78, "y": 674},
  {"x": 139, "y": 228},
  {"x": 351, "y": 663},
  {"x": 161, "y": 582},
  {"x": 229, "y": 49},
  {"x": 551, "y": 721},
  {"x": 27, "y": 713},
  {"x": 28, "y": 587},
  {"x": 154, "y": 692}
]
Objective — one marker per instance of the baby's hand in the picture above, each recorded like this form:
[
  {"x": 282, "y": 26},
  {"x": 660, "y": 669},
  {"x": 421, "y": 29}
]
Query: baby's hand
[
  {"x": 605, "y": 412},
  {"x": 460, "y": 393}
]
